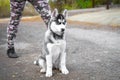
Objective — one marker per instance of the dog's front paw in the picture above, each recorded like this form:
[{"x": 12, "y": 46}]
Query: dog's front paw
[
  {"x": 65, "y": 71},
  {"x": 48, "y": 74}
]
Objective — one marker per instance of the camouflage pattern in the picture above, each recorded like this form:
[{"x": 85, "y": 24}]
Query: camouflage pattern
[{"x": 16, "y": 7}]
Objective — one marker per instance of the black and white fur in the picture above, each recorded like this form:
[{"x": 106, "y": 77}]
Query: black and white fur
[{"x": 54, "y": 54}]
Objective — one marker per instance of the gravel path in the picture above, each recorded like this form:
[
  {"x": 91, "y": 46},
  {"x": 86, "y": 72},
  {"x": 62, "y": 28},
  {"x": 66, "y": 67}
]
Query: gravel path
[
  {"x": 92, "y": 54},
  {"x": 105, "y": 17}
]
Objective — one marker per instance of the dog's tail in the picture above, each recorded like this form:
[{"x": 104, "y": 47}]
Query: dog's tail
[
  {"x": 40, "y": 62},
  {"x": 36, "y": 62}
]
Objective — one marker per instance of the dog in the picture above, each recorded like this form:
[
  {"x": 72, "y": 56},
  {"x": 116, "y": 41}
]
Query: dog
[{"x": 54, "y": 54}]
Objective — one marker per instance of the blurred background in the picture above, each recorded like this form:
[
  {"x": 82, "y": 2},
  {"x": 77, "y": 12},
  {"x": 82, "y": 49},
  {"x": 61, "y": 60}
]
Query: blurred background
[
  {"x": 68, "y": 4},
  {"x": 92, "y": 35}
]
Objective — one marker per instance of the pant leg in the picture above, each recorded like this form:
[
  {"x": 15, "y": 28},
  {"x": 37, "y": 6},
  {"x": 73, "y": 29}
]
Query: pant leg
[
  {"x": 16, "y": 8},
  {"x": 42, "y": 6}
]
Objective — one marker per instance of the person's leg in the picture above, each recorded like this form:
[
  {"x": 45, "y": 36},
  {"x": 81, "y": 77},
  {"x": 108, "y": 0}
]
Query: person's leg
[
  {"x": 42, "y": 6},
  {"x": 16, "y": 7}
]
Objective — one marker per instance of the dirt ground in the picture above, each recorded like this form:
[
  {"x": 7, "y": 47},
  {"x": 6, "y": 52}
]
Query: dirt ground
[{"x": 92, "y": 53}]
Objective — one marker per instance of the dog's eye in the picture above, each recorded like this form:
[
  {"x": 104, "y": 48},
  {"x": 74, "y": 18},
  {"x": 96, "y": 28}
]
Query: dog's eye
[
  {"x": 64, "y": 22},
  {"x": 58, "y": 23}
]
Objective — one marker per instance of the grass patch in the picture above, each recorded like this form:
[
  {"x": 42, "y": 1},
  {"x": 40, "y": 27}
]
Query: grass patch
[{"x": 4, "y": 8}]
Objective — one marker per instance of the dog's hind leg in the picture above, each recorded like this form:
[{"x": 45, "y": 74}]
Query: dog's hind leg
[{"x": 42, "y": 63}]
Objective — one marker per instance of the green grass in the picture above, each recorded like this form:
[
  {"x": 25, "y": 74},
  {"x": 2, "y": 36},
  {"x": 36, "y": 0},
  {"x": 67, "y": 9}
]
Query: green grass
[
  {"x": 71, "y": 4},
  {"x": 84, "y": 3},
  {"x": 4, "y": 8}
]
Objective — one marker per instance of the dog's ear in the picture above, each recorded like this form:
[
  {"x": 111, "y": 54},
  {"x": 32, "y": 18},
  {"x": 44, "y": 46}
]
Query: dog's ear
[
  {"x": 65, "y": 13},
  {"x": 55, "y": 13}
]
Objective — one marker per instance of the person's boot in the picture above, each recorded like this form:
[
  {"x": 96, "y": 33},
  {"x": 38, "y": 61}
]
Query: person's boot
[{"x": 11, "y": 53}]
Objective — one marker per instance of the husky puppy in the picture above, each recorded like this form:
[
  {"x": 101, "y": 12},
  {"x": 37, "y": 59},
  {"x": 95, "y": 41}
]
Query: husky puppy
[{"x": 54, "y": 54}]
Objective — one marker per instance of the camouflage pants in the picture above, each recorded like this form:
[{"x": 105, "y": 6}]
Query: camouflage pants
[{"x": 16, "y": 7}]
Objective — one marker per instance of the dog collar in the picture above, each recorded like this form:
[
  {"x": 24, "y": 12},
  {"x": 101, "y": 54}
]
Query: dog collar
[{"x": 56, "y": 36}]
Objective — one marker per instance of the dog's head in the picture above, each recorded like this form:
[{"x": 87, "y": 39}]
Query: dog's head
[{"x": 58, "y": 22}]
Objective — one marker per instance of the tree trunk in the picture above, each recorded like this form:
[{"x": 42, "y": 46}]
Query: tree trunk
[
  {"x": 108, "y": 4},
  {"x": 93, "y": 3}
]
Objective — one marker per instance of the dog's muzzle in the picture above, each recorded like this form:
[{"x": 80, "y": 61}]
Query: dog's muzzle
[{"x": 62, "y": 30}]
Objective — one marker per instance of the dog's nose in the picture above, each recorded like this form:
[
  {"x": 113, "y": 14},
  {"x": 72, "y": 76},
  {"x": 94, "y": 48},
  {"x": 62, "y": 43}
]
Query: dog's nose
[{"x": 62, "y": 30}]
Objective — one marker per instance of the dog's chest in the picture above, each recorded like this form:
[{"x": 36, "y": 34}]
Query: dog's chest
[{"x": 57, "y": 50}]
